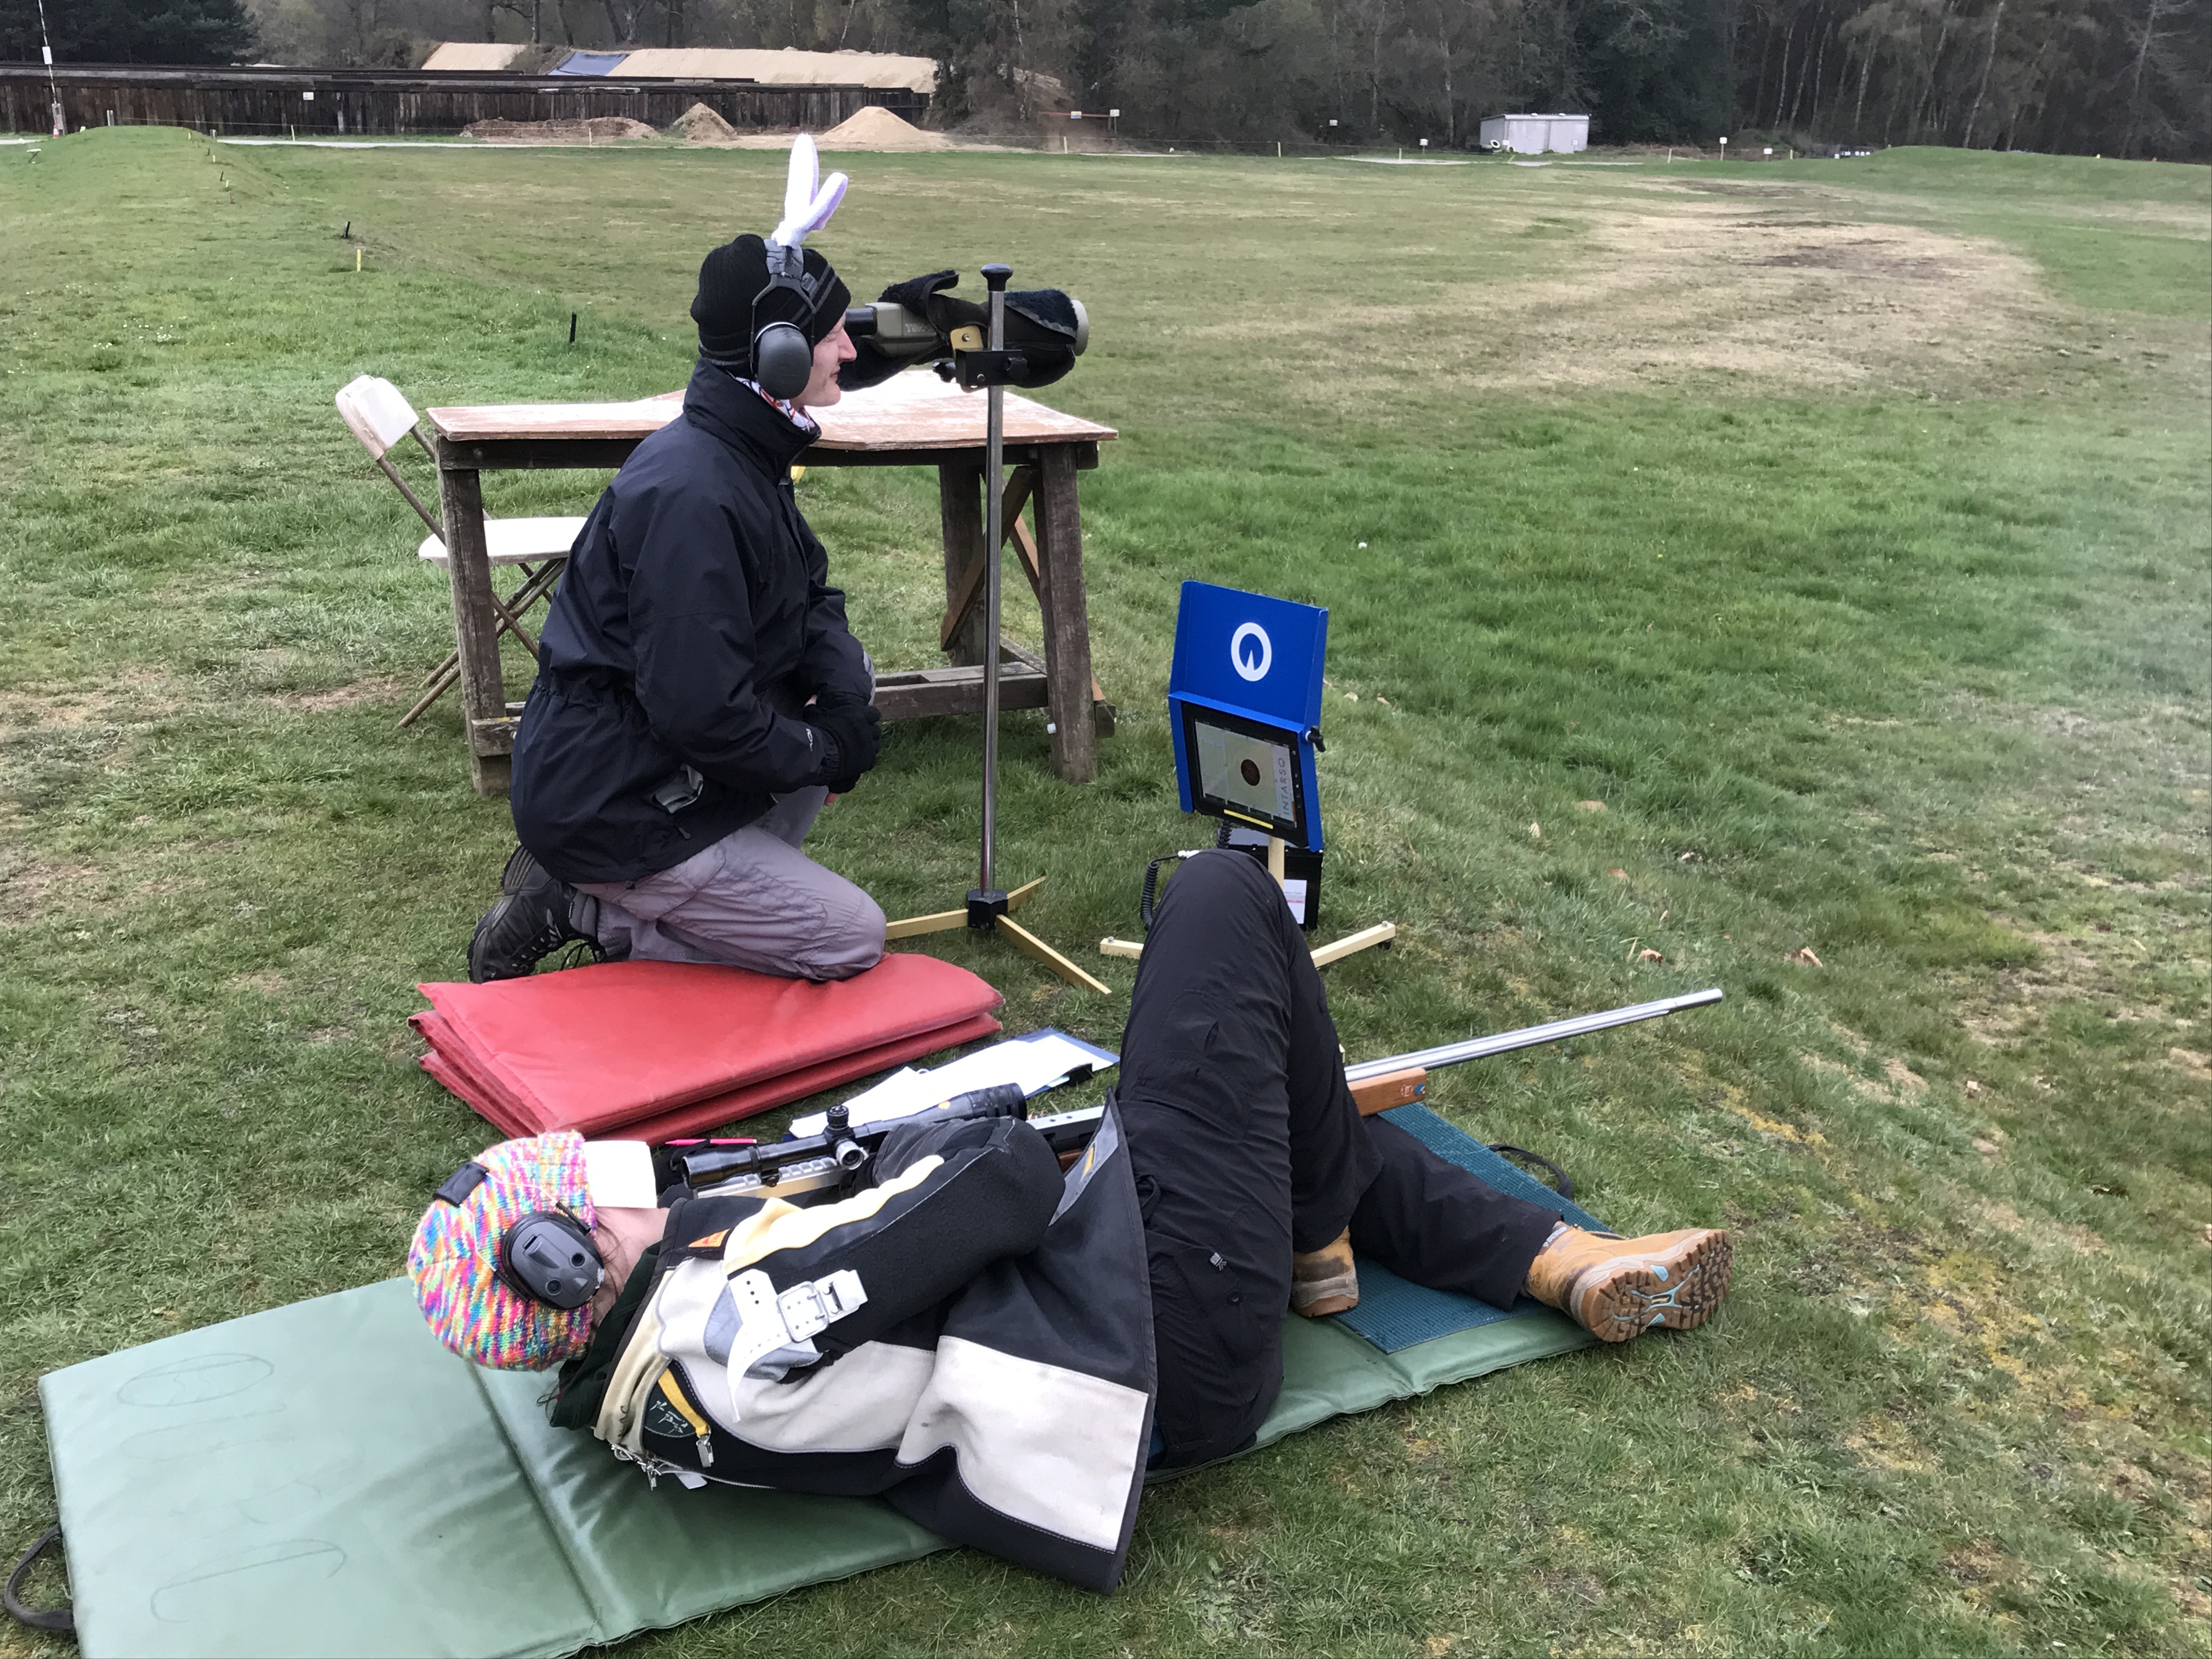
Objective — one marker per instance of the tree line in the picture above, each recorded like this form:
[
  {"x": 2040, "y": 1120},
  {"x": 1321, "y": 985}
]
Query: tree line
[{"x": 2115, "y": 77}]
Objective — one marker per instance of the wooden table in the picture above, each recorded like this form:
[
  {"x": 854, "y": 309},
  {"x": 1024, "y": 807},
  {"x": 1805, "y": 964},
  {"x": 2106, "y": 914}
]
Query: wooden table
[{"x": 914, "y": 420}]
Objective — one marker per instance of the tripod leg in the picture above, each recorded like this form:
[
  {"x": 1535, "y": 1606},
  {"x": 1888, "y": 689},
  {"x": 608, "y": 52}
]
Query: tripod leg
[
  {"x": 1014, "y": 899},
  {"x": 1029, "y": 944},
  {"x": 1366, "y": 939},
  {"x": 943, "y": 922}
]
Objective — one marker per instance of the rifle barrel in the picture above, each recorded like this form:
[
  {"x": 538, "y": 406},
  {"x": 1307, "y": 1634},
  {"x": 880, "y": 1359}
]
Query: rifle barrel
[{"x": 1452, "y": 1054}]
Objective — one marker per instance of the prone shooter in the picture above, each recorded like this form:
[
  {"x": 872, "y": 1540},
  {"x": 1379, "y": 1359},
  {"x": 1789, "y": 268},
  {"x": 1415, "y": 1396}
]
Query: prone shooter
[{"x": 936, "y": 1312}]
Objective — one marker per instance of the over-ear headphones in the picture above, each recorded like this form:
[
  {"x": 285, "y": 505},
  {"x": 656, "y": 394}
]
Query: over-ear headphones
[
  {"x": 549, "y": 1257},
  {"x": 783, "y": 362}
]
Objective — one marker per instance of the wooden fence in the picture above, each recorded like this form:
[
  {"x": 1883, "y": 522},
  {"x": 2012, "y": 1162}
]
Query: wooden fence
[{"x": 328, "y": 103}]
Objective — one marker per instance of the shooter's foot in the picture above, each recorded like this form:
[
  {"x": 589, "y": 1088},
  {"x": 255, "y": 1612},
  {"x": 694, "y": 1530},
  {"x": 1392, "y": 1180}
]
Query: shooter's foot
[
  {"x": 1324, "y": 1281},
  {"x": 535, "y": 916},
  {"x": 1617, "y": 1288},
  {"x": 520, "y": 868}
]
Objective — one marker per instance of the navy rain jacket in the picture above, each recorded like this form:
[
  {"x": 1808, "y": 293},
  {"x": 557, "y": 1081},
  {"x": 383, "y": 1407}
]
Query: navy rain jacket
[{"x": 695, "y": 604}]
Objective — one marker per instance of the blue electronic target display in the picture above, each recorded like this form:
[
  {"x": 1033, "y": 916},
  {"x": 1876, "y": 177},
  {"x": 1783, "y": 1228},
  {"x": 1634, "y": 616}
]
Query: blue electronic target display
[{"x": 1244, "y": 705}]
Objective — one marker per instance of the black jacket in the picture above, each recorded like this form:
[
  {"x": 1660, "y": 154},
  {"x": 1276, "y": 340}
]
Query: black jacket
[
  {"x": 989, "y": 1370},
  {"x": 695, "y": 604}
]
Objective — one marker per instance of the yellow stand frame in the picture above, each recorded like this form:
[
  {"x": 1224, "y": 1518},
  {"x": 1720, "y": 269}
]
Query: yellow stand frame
[
  {"x": 1351, "y": 945},
  {"x": 944, "y": 922}
]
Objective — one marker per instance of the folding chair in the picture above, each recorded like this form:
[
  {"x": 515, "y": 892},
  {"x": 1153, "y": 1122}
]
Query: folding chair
[{"x": 375, "y": 413}]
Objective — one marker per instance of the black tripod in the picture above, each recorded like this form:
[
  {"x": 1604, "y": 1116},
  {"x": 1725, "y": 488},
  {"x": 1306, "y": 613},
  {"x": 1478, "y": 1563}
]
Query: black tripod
[{"x": 989, "y": 364}]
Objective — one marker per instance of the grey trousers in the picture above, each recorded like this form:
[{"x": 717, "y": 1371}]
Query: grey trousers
[{"x": 752, "y": 900}]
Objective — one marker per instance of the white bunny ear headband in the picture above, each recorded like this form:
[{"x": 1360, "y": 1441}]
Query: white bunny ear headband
[
  {"x": 782, "y": 355},
  {"x": 809, "y": 200}
]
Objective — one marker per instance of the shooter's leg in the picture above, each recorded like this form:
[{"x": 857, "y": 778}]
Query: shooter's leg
[
  {"x": 1204, "y": 1094},
  {"x": 1423, "y": 1219},
  {"x": 1434, "y": 1224}
]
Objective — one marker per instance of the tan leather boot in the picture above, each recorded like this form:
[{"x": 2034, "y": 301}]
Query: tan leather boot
[
  {"x": 1324, "y": 1281},
  {"x": 1617, "y": 1288}
]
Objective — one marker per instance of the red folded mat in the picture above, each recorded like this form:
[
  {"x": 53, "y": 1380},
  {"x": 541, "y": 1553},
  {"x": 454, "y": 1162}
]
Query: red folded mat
[{"x": 655, "y": 1049}]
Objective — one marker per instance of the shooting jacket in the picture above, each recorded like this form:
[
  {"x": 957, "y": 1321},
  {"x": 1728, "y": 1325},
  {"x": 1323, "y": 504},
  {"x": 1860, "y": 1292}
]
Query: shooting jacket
[
  {"x": 694, "y": 613},
  {"x": 969, "y": 1337}
]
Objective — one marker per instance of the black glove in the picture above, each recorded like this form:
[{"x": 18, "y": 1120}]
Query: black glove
[{"x": 854, "y": 730}]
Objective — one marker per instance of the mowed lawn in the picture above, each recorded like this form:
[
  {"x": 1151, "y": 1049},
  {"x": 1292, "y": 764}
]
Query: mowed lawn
[{"x": 1730, "y": 563}]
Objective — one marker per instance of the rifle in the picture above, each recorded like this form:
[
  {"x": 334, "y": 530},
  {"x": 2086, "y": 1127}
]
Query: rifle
[
  {"x": 1403, "y": 1080},
  {"x": 832, "y": 1161}
]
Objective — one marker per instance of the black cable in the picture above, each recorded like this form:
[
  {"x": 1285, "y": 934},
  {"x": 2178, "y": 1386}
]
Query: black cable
[
  {"x": 1561, "y": 1184},
  {"x": 1145, "y": 899},
  {"x": 1151, "y": 887},
  {"x": 58, "y": 1620}
]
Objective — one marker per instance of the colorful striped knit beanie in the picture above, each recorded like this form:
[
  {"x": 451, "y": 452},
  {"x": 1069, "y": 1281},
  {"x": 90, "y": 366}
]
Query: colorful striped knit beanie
[{"x": 454, "y": 1259}]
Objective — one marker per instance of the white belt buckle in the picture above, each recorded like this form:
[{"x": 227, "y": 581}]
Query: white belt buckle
[{"x": 810, "y": 1306}]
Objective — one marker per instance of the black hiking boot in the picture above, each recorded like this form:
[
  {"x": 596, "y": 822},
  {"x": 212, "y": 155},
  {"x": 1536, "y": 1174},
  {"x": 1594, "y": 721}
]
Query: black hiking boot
[{"x": 537, "y": 913}]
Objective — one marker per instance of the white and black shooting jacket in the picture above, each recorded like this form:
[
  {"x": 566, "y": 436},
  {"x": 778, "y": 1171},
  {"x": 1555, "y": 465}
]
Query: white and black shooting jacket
[{"x": 969, "y": 1337}]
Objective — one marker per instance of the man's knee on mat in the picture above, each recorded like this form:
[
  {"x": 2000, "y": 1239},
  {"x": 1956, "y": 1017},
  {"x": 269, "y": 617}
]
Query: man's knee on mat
[{"x": 851, "y": 941}]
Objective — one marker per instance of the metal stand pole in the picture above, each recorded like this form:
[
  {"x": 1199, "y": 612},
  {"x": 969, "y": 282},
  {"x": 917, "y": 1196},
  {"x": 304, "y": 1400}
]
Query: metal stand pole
[
  {"x": 994, "y": 530},
  {"x": 987, "y": 908}
]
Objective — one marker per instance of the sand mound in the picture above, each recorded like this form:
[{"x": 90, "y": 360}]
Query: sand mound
[
  {"x": 877, "y": 127},
  {"x": 701, "y": 125},
  {"x": 599, "y": 130}
]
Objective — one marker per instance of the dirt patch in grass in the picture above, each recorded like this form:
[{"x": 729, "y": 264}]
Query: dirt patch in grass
[
  {"x": 2066, "y": 968},
  {"x": 1882, "y": 1443},
  {"x": 36, "y": 711},
  {"x": 31, "y": 889},
  {"x": 344, "y": 697},
  {"x": 2192, "y": 1063},
  {"x": 1980, "y": 1566},
  {"x": 598, "y": 130},
  {"x": 1667, "y": 290},
  {"x": 1696, "y": 292}
]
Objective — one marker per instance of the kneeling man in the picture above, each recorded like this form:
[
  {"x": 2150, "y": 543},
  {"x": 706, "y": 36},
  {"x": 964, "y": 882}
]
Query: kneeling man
[
  {"x": 1000, "y": 1350},
  {"x": 699, "y": 696}
]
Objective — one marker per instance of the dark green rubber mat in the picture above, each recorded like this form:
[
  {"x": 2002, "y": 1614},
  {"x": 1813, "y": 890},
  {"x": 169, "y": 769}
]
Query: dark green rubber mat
[{"x": 325, "y": 1480}]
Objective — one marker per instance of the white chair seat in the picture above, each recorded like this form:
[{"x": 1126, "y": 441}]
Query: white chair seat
[{"x": 515, "y": 541}]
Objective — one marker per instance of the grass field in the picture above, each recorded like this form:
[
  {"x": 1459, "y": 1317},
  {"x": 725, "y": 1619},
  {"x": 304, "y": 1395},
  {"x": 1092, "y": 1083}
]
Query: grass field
[{"x": 1719, "y": 562}]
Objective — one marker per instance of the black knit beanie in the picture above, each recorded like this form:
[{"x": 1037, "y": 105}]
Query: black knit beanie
[{"x": 729, "y": 279}]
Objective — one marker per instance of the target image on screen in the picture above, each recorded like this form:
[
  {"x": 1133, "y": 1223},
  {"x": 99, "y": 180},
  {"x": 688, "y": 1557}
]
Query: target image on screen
[{"x": 1246, "y": 772}]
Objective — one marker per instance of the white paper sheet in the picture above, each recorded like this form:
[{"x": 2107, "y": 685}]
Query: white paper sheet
[{"x": 1034, "y": 1063}]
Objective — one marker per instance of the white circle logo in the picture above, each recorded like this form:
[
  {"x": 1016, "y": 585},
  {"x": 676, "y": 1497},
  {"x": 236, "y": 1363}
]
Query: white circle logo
[{"x": 1252, "y": 661}]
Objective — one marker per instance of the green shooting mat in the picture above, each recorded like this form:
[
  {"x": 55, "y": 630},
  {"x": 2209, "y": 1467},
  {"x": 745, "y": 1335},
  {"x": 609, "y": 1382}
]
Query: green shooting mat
[{"x": 325, "y": 1479}]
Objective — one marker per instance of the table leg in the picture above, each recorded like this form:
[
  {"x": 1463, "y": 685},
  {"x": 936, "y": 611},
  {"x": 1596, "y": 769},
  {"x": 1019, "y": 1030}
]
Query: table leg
[
  {"x": 475, "y": 631},
  {"x": 960, "y": 506},
  {"x": 1067, "y": 617}
]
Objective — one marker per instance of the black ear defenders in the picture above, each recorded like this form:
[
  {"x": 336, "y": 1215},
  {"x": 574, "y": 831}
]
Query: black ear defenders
[
  {"x": 549, "y": 1257},
  {"x": 783, "y": 362}
]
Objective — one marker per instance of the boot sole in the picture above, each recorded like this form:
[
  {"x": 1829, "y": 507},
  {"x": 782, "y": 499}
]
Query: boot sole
[
  {"x": 1676, "y": 1289},
  {"x": 1331, "y": 1297}
]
